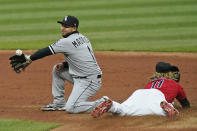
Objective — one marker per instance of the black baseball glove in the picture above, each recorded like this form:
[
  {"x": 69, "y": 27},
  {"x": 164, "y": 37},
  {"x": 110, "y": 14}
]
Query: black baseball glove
[{"x": 19, "y": 63}]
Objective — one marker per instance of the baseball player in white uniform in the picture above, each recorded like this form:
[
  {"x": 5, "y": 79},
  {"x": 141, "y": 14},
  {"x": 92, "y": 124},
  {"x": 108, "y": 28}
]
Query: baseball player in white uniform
[
  {"x": 155, "y": 99},
  {"x": 80, "y": 68}
]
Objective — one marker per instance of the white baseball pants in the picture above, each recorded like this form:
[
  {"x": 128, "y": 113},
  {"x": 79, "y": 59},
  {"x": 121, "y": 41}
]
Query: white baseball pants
[{"x": 141, "y": 102}]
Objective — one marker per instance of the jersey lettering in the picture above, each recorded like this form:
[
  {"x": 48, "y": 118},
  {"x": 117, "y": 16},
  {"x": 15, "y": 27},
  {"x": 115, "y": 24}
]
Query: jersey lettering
[
  {"x": 79, "y": 41},
  {"x": 157, "y": 84}
]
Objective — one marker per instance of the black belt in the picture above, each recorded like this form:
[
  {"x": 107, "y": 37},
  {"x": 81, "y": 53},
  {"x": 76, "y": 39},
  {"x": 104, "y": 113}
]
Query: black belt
[
  {"x": 98, "y": 76},
  {"x": 85, "y": 77}
]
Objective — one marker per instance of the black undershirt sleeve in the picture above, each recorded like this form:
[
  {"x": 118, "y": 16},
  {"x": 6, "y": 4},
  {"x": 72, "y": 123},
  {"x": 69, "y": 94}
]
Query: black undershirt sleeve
[{"x": 41, "y": 53}]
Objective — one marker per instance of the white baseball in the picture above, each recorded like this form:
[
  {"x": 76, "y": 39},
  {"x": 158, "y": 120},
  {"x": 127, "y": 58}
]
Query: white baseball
[{"x": 19, "y": 52}]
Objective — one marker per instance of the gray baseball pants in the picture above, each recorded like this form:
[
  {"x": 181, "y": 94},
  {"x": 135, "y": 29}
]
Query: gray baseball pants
[{"x": 82, "y": 90}]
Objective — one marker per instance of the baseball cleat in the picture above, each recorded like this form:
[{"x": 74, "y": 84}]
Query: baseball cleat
[
  {"x": 101, "y": 108},
  {"x": 53, "y": 107},
  {"x": 170, "y": 110}
]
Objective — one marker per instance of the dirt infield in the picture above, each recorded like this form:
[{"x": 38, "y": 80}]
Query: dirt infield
[{"x": 22, "y": 95}]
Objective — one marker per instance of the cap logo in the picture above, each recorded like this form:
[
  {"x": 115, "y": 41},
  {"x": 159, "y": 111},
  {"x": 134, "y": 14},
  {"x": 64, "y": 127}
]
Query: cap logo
[{"x": 65, "y": 18}]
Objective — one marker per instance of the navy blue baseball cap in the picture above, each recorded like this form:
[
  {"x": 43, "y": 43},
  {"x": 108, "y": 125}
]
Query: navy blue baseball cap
[
  {"x": 70, "y": 21},
  {"x": 163, "y": 67}
]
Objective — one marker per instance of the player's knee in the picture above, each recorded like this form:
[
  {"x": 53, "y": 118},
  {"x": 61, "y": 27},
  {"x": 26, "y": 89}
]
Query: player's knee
[{"x": 70, "y": 108}]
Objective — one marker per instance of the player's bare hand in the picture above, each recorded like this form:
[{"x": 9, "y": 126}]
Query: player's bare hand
[{"x": 59, "y": 67}]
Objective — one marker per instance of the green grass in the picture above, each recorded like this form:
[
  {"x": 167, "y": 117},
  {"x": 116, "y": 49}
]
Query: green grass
[
  {"x": 123, "y": 25},
  {"x": 24, "y": 125},
  {"x": 126, "y": 25}
]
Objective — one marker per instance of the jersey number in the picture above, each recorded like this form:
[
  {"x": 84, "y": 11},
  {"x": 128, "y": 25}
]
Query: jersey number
[{"x": 157, "y": 84}]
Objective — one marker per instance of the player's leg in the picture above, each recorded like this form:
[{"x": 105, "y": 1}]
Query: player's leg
[
  {"x": 126, "y": 108},
  {"x": 58, "y": 83},
  {"x": 82, "y": 90},
  {"x": 141, "y": 102}
]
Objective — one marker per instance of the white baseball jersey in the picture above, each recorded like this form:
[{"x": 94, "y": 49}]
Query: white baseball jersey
[{"x": 78, "y": 52}]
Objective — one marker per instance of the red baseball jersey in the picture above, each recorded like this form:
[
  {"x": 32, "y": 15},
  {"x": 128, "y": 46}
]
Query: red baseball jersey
[{"x": 169, "y": 88}]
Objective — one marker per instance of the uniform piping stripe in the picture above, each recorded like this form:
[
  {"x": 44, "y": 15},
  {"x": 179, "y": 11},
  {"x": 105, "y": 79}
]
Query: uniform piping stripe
[
  {"x": 50, "y": 47},
  {"x": 80, "y": 96}
]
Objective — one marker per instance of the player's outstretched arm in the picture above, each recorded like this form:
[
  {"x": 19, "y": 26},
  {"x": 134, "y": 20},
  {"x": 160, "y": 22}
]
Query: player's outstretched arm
[{"x": 41, "y": 53}]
